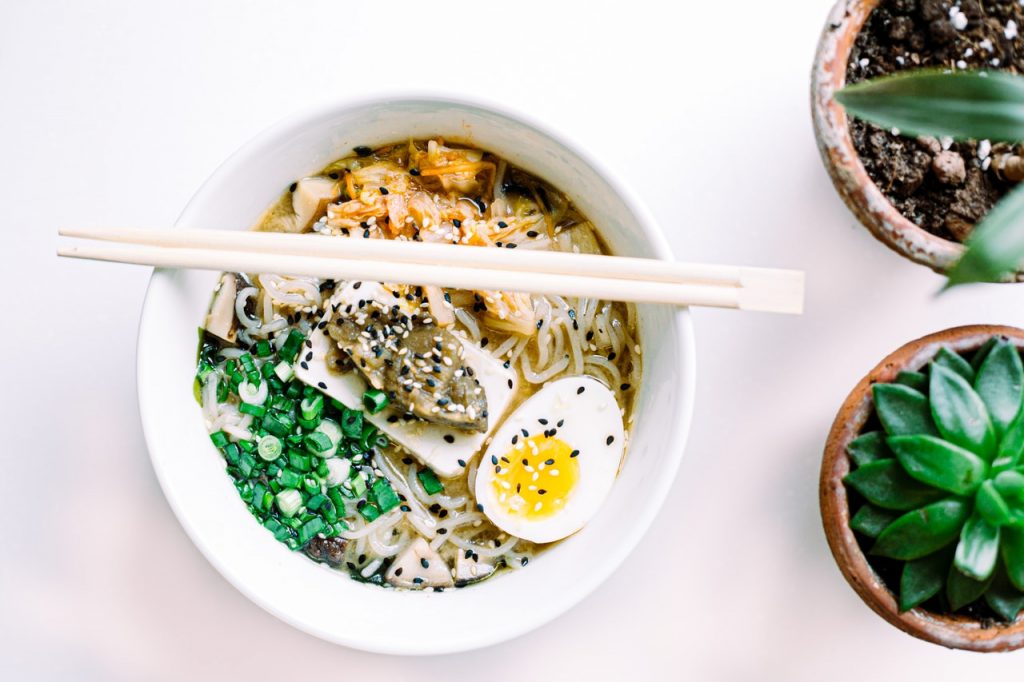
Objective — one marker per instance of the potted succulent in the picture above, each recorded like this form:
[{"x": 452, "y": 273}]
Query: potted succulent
[
  {"x": 923, "y": 178},
  {"x": 922, "y": 488}
]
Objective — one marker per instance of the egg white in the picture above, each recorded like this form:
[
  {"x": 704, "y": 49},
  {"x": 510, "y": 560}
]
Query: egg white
[{"x": 591, "y": 423}]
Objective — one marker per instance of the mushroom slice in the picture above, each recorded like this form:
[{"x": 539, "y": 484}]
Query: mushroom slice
[
  {"x": 310, "y": 199},
  {"x": 419, "y": 566},
  {"x": 221, "y": 320},
  {"x": 473, "y": 568}
]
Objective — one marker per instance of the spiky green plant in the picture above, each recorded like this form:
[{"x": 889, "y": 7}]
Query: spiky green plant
[
  {"x": 965, "y": 105},
  {"x": 943, "y": 480}
]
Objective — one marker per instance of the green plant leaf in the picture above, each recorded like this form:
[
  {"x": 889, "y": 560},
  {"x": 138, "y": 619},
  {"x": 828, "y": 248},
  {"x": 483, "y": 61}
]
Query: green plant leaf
[
  {"x": 982, "y": 353},
  {"x": 995, "y": 248},
  {"x": 915, "y": 380},
  {"x": 902, "y": 410},
  {"x": 962, "y": 590},
  {"x": 923, "y": 578},
  {"x": 1003, "y": 598},
  {"x": 923, "y": 531},
  {"x": 885, "y": 484},
  {"x": 1010, "y": 485},
  {"x": 1012, "y": 444},
  {"x": 1000, "y": 384},
  {"x": 1011, "y": 547},
  {"x": 991, "y": 505},
  {"x": 939, "y": 464},
  {"x": 868, "y": 447},
  {"x": 964, "y": 105},
  {"x": 978, "y": 549},
  {"x": 953, "y": 362},
  {"x": 871, "y": 520},
  {"x": 960, "y": 414}
]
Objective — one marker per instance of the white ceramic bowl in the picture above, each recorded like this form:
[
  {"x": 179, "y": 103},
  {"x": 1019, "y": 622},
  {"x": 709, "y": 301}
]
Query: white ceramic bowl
[{"x": 313, "y": 597}]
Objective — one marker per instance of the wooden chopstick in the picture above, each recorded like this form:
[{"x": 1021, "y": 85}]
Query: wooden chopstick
[{"x": 489, "y": 269}]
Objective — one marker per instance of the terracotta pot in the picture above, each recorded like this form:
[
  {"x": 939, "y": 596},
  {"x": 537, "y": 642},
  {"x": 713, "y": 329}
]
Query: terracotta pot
[
  {"x": 958, "y": 632},
  {"x": 849, "y": 176}
]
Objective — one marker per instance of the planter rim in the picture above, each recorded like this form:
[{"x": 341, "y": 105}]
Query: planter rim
[
  {"x": 832, "y": 133},
  {"x": 949, "y": 630}
]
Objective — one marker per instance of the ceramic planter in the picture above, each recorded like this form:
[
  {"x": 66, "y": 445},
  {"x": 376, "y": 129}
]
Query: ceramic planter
[
  {"x": 849, "y": 176},
  {"x": 954, "y": 631}
]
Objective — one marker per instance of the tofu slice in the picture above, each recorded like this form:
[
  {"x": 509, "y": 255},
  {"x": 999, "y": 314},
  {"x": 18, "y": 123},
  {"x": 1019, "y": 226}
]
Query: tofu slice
[{"x": 439, "y": 447}]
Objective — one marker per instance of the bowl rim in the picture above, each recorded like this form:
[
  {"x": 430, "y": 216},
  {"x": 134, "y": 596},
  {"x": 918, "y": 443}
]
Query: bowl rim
[
  {"x": 949, "y": 630},
  {"x": 849, "y": 176},
  {"x": 682, "y": 328}
]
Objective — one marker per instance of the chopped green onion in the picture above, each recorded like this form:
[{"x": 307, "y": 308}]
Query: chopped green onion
[
  {"x": 429, "y": 480},
  {"x": 375, "y": 400},
  {"x": 358, "y": 484},
  {"x": 370, "y": 512},
  {"x": 288, "y": 502},
  {"x": 290, "y": 479},
  {"x": 334, "y": 494},
  {"x": 284, "y": 371},
  {"x": 254, "y": 410},
  {"x": 232, "y": 453},
  {"x": 309, "y": 529},
  {"x": 294, "y": 389},
  {"x": 315, "y": 502},
  {"x": 263, "y": 348},
  {"x": 270, "y": 447},
  {"x": 280, "y": 531},
  {"x": 219, "y": 438},
  {"x": 384, "y": 495},
  {"x": 318, "y": 442},
  {"x": 352, "y": 423},
  {"x": 246, "y": 464},
  {"x": 310, "y": 409},
  {"x": 299, "y": 461},
  {"x": 337, "y": 471},
  {"x": 253, "y": 392},
  {"x": 311, "y": 485},
  {"x": 277, "y": 424},
  {"x": 292, "y": 345}
]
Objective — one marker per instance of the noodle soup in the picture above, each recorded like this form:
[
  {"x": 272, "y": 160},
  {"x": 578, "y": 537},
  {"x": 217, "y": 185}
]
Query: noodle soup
[{"x": 419, "y": 437}]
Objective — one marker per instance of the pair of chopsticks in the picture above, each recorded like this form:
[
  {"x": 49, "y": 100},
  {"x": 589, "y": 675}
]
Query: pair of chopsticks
[{"x": 612, "y": 278}]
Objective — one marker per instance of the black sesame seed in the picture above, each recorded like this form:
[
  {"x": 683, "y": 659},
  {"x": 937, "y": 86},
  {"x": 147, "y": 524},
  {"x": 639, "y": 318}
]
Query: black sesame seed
[
  {"x": 357, "y": 285},
  {"x": 515, "y": 439},
  {"x": 543, "y": 421},
  {"x": 362, "y": 558},
  {"x": 449, "y": 438},
  {"x": 414, "y": 171},
  {"x": 531, "y": 233},
  {"x": 574, "y": 453},
  {"x": 362, "y": 150},
  {"x": 406, "y": 508},
  {"x": 590, "y": 335},
  {"x": 457, "y": 223},
  {"x": 542, "y": 492},
  {"x": 424, "y": 563},
  {"x": 494, "y": 459},
  {"x": 624, "y": 387},
  {"x": 398, "y": 571},
  {"x": 610, "y": 440},
  {"x": 510, "y": 246},
  {"x": 549, "y": 462},
  {"x": 384, "y": 191},
  {"x": 611, "y": 356},
  {"x": 524, "y": 561},
  {"x": 502, "y": 224},
  {"x": 304, "y": 365},
  {"x": 293, "y": 186},
  {"x": 484, "y": 341},
  {"x": 332, "y": 176},
  {"x": 407, "y": 460},
  {"x": 417, "y": 581},
  {"x": 366, "y": 234},
  {"x": 479, "y": 507},
  {"x": 526, "y": 434},
  {"x": 510, "y": 383},
  {"x": 442, "y": 531},
  {"x": 468, "y": 554},
  {"x": 560, "y": 423},
  {"x": 580, "y": 389},
  {"x": 462, "y": 463},
  {"x": 322, "y": 385},
  {"x": 309, "y": 356}
]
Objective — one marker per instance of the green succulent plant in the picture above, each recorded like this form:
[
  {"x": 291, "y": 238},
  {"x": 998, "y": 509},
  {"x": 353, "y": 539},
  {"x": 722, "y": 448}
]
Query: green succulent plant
[
  {"x": 943, "y": 479},
  {"x": 963, "y": 105}
]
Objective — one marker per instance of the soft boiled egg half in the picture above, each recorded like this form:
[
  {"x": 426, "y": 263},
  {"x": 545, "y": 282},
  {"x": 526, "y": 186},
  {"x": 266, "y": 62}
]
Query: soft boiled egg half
[{"x": 552, "y": 463}]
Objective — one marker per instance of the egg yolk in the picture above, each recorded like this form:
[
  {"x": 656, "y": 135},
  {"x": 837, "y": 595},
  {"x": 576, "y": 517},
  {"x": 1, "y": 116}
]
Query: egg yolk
[{"x": 536, "y": 477}]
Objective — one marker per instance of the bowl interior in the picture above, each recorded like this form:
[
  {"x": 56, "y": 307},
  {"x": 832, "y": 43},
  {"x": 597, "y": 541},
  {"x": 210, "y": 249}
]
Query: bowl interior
[{"x": 323, "y": 601}]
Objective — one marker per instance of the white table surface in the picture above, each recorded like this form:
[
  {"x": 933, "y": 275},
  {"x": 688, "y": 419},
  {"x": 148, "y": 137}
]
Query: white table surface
[{"x": 114, "y": 113}]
